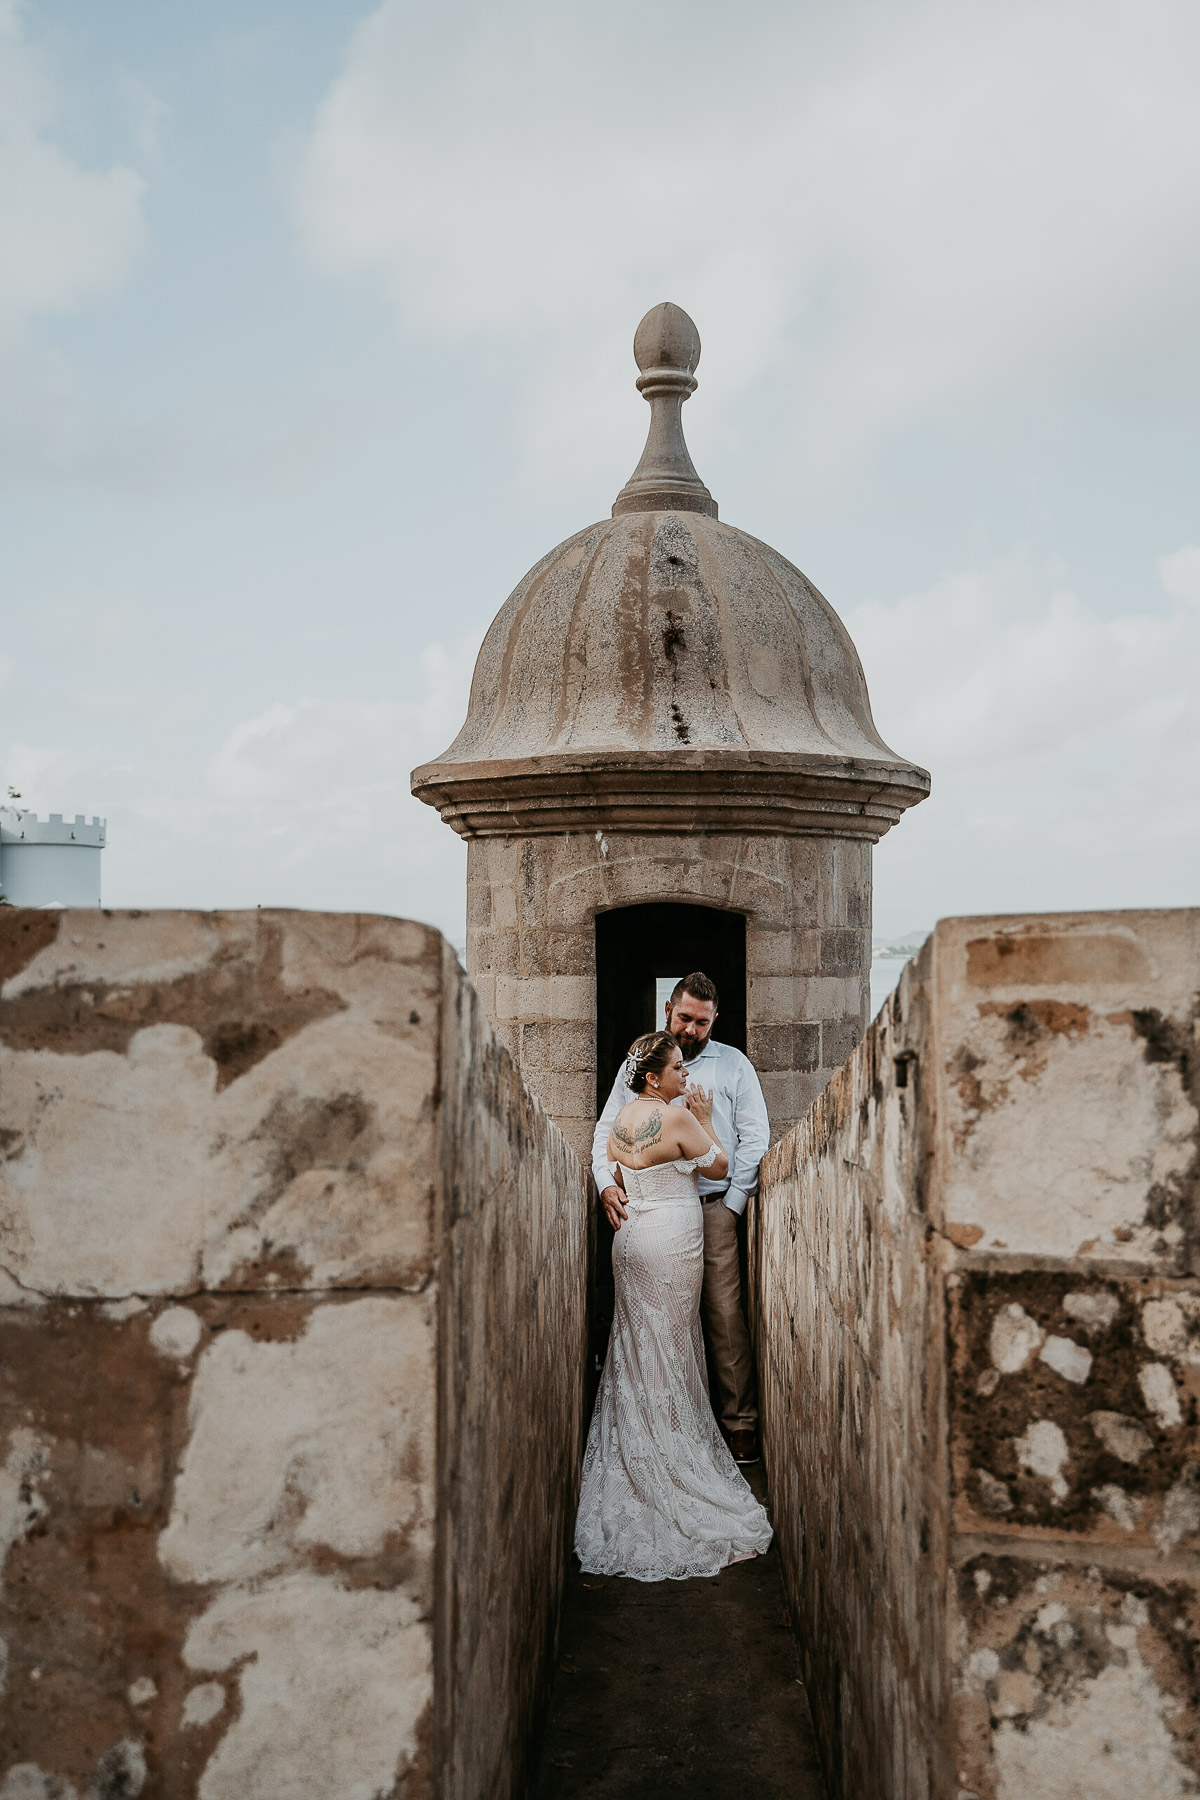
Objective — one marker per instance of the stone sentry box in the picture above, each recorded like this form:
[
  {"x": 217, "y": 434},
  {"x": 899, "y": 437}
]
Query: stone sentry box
[
  {"x": 667, "y": 710},
  {"x": 292, "y": 1310}
]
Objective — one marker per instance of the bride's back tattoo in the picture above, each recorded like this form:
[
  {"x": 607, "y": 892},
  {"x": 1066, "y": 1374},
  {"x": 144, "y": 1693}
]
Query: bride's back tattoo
[{"x": 643, "y": 1137}]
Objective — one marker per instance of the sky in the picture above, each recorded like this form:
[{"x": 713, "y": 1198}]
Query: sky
[{"x": 315, "y": 334}]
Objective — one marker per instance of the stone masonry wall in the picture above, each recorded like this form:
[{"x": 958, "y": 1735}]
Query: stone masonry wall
[
  {"x": 531, "y": 950},
  {"x": 512, "y": 1334},
  {"x": 978, "y": 1258},
  {"x": 251, "y": 1164}
]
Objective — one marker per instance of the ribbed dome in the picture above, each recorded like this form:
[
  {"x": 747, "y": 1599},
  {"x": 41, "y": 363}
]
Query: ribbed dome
[
  {"x": 661, "y": 670},
  {"x": 652, "y": 631}
]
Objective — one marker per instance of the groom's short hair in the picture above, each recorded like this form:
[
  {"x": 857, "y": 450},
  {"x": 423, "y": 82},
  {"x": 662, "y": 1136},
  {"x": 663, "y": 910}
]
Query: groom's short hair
[{"x": 698, "y": 985}]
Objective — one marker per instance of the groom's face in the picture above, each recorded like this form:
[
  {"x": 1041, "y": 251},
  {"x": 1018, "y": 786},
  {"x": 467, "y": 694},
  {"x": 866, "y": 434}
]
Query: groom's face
[{"x": 690, "y": 1022}]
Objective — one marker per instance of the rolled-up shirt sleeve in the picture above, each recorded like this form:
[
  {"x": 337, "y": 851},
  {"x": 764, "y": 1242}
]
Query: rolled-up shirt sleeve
[
  {"x": 602, "y": 1170},
  {"x": 752, "y": 1129}
]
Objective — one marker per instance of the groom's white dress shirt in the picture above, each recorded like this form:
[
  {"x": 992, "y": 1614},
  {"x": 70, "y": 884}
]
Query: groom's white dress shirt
[{"x": 739, "y": 1119}]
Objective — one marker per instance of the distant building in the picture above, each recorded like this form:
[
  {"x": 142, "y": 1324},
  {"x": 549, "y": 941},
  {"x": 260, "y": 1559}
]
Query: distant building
[{"x": 50, "y": 862}]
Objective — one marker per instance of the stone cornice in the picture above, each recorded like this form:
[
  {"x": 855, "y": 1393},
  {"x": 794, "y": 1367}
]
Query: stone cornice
[{"x": 672, "y": 791}]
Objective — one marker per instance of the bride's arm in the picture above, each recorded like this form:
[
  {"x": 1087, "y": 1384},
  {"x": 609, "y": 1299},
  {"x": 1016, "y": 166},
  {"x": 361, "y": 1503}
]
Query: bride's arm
[{"x": 700, "y": 1134}]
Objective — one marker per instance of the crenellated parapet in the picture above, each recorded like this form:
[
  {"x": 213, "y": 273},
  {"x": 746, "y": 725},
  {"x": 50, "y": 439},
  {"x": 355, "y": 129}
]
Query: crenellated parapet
[{"x": 17, "y": 827}]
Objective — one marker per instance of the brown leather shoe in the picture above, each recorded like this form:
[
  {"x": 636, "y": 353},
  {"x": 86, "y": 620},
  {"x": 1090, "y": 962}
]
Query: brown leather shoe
[{"x": 744, "y": 1446}]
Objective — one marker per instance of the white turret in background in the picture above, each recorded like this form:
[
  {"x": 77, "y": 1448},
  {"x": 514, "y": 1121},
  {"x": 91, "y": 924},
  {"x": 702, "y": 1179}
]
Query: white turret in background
[{"x": 50, "y": 862}]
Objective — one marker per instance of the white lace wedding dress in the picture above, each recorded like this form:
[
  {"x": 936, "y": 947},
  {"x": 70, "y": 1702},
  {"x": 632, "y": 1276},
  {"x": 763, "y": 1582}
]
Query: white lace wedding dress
[{"x": 662, "y": 1497}]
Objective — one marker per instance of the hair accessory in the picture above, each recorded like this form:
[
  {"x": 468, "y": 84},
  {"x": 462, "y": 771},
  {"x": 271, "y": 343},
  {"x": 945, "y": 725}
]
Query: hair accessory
[{"x": 636, "y": 1065}]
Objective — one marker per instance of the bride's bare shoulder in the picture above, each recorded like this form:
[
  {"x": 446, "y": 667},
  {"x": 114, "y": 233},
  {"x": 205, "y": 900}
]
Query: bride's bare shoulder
[{"x": 640, "y": 1128}]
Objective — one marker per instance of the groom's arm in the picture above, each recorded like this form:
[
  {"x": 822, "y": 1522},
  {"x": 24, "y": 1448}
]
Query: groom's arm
[
  {"x": 612, "y": 1199},
  {"x": 752, "y": 1129}
]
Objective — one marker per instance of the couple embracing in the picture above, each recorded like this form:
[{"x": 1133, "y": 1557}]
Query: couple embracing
[{"x": 675, "y": 1156}]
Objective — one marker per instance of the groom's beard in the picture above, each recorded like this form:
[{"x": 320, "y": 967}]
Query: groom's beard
[{"x": 691, "y": 1047}]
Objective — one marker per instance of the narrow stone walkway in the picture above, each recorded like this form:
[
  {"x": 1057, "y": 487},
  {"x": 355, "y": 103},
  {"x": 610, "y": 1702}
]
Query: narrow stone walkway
[{"x": 679, "y": 1686}]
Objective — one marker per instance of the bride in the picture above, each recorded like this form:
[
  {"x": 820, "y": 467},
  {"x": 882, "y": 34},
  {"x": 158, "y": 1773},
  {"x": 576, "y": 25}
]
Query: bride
[{"x": 662, "y": 1496}]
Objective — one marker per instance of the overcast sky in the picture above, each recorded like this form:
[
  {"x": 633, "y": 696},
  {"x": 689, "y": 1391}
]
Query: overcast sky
[{"x": 315, "y": 333}]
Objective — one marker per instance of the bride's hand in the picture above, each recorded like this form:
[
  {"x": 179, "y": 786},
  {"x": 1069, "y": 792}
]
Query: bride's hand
[{"x": 700, "y": 1102}]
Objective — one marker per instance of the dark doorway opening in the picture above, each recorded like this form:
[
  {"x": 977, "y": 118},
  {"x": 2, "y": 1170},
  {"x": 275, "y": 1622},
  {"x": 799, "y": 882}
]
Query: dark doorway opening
[{"x": 638, "y": 948}]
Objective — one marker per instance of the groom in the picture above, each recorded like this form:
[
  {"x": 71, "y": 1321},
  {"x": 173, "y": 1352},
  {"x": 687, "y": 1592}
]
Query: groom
[{"x": 739, "y": 1118}]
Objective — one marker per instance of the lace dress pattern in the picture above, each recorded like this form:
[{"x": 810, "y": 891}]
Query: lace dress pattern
[{"x": 662, "y": 1497}]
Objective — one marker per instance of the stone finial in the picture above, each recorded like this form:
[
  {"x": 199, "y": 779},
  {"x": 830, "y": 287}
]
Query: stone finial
[{"x": 666, "y": 347}]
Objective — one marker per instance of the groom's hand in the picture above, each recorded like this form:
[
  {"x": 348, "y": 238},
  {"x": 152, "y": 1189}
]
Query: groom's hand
[{"x": 613, "y": 1202}]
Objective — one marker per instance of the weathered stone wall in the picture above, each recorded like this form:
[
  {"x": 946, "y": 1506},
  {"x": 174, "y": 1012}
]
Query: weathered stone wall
[
  {"x": 272, "y": 1203},
  {"x": 512, "y": 1330},
  {"x": 976, "y": 1262},
  {"x": 531, "y": 950}
]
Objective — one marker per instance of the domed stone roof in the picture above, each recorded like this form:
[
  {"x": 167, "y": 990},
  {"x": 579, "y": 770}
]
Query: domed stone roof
[{"x": 662, "y": 671}]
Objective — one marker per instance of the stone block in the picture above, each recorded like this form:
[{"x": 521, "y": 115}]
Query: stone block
[
  {"x": 765, "y": 898},
  {"x": 479, "y": 905},
  {"x": 843, "y": 952},
  {"x": 845, "y": 884},
  {"x": 838, "y": 1038},
  {"x": 830, "y": 997},
  {"x": 770, "y": 950},
  {"x": 665, "y": 868},
  {"x": 564, "y": 1048},
  {"x": 512, "y": 999},
  {"x": 773, "y": 1048},
  {"x": 173, "y": 1454},
  {"x": 577, "y": 1129},
  {"x": 247, "y": 1111},
  {"x": 1072, "y": 1032},
  {"x": 571, "y": 997},
  {"x": 1073, "y": 1407},
  {"x": 808, "y": 1089},
  {"x": 803, "y": 861},
  {"x": 566, "y": 1096},
  {"x": 772, "y": 999},
  {"x": 493, "y": 952},
  {"x": 496, "y": 861},
  {"x": 485, "y": 987},
  {"x": 545, "y": 952},
  {"x": 789, "y": 1094},
  {"x": 573, "y": 899},
  {"x": 1075, "y": 1678},
  {"x": 807, "y": 943},
  {"x": 504, "y": 906}
]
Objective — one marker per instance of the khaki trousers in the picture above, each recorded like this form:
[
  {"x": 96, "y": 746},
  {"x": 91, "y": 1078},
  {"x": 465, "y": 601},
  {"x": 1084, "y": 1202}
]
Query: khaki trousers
[{"x": 730, "y": 1364}]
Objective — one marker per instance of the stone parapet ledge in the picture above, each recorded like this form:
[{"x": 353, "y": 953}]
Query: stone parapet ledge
[
  {"x": 975, "y": 1270},
  {"x": 674, "y": 790},
  {"x": 292, "y": 1318}
]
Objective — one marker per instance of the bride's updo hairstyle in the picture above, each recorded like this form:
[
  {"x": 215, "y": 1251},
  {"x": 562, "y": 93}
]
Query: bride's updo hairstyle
[{"x": 648, "y": 1055}]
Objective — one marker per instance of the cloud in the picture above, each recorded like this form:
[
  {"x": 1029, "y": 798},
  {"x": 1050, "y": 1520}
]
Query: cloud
[
  {"x": 880, "y": 215},
  {"x": 1064, "y": 746},
  {"x": 311, "y": 798},
  {"x": 69, "y": 232},
  {"x": 70, "y": 235},
  {"x": 1180, "y": 574},
  {"x": 147, "y": 116},
  {"x": 1064, "y": 743},
  {"x": 304, "y": 804}
]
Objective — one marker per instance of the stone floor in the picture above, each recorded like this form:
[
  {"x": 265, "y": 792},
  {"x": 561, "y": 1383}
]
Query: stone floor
[{"x": 679, "y": 1686}]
